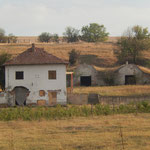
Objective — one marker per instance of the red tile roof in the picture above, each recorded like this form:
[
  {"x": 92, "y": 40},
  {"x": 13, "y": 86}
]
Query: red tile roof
[{"x": 35, "y": 56}]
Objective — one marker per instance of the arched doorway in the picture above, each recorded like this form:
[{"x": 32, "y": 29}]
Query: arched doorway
[{"x": 21, "y": 94}]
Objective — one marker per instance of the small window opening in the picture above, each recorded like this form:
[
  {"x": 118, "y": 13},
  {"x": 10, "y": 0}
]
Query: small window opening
[
  {"x": 130, "y": 80},
  {"x": 85, "y": 81},
  {"x": 19, "y": 75},
  {"x": 52, "y": 74}
]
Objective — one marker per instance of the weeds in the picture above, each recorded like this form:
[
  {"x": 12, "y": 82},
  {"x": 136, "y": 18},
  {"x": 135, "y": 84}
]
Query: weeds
[{"x": 60, "y": 112}]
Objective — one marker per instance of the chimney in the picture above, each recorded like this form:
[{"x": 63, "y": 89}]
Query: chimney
[
  {"x": 127, "y": 63},
  {"x": 33, "y": 47}
]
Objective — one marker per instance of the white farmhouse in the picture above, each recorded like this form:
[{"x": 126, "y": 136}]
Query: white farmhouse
[{"x": 36, "y": 77}]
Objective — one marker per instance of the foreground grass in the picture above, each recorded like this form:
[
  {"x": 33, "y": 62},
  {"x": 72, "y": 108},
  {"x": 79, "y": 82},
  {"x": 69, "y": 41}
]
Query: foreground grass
[
  {"x": 130, "y": 90},
  {"x": 92, "y": 133}
]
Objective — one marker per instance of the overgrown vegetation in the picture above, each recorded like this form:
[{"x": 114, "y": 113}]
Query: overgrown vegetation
[
  {"x": 60, "y": 112},
  {"x": 132, "y": 43},
  {"x": 73, "y": 56},
  {"x": 108, "y": 78}
]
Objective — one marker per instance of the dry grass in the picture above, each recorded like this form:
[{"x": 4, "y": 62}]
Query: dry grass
[
  {"x": 101, "y": 52},
  {"x": 130, "y": 90},
  {"x": 91, "y": 133}
]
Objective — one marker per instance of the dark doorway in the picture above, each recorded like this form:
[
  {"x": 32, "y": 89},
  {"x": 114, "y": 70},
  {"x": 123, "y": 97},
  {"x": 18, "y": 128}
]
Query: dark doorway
[
  {"x": 130, "y": 80},
  {"x": 21, "y": 94},
  {"x": 85, "y": 80}
]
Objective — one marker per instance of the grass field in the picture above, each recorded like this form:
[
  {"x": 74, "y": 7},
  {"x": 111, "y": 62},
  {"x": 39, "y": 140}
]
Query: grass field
[
  {"x": 99, "y": 54},
  {"x": 130, "y": 90},
  {"x": 92, "y": 133}
]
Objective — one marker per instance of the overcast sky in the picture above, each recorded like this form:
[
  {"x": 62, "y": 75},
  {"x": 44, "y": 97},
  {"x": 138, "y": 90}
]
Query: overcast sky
[{"x": 31, "y": 17}]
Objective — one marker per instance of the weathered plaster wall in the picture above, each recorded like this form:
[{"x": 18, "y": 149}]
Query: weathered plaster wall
[
  {"x": 82, "y": 99},
  {"x": 36, "y": 79},
  {"x": 3, "y": 98},
  {"x": 130, "y": 69},
  {"x": 85, "y": 70}
]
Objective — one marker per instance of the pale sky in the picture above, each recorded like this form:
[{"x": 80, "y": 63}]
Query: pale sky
[{"x": 32, "y": 17}]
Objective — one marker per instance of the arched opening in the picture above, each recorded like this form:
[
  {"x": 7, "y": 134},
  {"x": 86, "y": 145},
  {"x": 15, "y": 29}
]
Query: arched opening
[{"x": 21, "y": 94}]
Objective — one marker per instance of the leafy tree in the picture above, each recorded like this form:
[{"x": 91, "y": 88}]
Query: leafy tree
[
  {"x": 3, "y": 58},
  {"x": 44, "y": 37},
  {"x": 133, "y": 41},
  {"x": 71, "y": 34},
  {"x": 94, "y": 33},
  {"x": 3, "y": 38},
  {"x": 2, "y": 32},
  {"x": 73, "y": 56},
  {"x": 54, "y": 38},
  {"x": 11, "y": 38}
]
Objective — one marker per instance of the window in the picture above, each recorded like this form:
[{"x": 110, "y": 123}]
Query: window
[
  {"x": 19, "y": 75},
  {"x": 52, "y": 74}
]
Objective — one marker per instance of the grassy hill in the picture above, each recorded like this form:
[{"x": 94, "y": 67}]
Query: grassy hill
[{"x": 99, "y": 54}]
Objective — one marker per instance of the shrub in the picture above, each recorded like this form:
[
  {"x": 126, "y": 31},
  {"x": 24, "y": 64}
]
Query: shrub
[{"x": 73, "y": 56}]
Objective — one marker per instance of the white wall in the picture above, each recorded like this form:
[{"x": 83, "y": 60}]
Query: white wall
[{"x": 36, "y": 78}]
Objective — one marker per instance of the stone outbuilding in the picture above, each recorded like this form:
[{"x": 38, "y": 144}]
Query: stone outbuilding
[
  {"x": 85, "y": 75},
  {"x": 36, "y": 77},
  {"x": 127, "y": 74},
  {"x": 131, "y": 74}
]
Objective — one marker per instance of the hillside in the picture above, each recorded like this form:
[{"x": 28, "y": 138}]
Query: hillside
[{"x": 99, "y": 54}]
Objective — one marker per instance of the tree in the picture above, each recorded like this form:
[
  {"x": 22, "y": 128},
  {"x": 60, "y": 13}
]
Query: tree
[
  {"x": 133, "y": 42},
  {"x": 54, "y": 38},
  {"x": 11, "y": 38},
  {"x": 44, "y": 37},
  {"x": 94, "y": 33},
  {"x": 3, "y": 58},
  {"x": 71, "y": 34},
  {"x": 73, "y": 56},
  {"x": 3, "y": 38}
]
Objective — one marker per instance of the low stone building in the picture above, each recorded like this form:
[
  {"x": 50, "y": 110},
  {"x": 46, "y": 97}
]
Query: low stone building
[
  {"x": 127, "y": 74},
  {"x": 131, "y": 74},
  {"x": 85, "y": 75}
]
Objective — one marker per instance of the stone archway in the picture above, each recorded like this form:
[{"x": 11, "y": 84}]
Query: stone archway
[{"x": 21, "y": 94}]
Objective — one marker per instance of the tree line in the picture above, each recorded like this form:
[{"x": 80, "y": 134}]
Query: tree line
[
  {"x": 89, "y": 33},
  {"x": 133, "y": 41}
]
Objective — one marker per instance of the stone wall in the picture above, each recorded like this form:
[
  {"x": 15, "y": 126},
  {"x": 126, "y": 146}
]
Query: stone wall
[
  {"x": 82, "y": 99},
  {"x": 77, "y": 99},
  {"x": 3, "y": 99}
]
